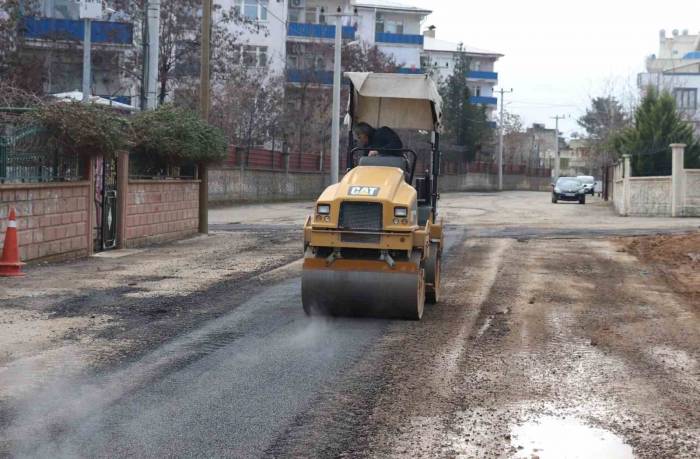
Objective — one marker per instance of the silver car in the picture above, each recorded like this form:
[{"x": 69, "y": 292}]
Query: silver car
[{"x": 588, "y": 183}]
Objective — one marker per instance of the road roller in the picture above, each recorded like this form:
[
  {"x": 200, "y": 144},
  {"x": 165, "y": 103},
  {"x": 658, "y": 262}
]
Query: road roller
[{"x": 373, "y": 245}]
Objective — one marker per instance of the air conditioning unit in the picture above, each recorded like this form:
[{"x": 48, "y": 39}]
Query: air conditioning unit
[
  {"x": 297, "y": 3},
  {"x": 90, "y": 9}
]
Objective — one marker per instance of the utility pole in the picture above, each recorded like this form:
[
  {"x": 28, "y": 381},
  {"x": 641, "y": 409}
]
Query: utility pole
[
  {"x": 87, "y": 61},
  {"x": 204, "y": 107},
  {"x": 88, "y": 10},
  {"x": 205, "y": 79},
  {"x": 557, "y": 166},
  {"x": 337, "y": 75},
  {"x": 500, "y": 141},
  {"x": 153, "y": 31}
]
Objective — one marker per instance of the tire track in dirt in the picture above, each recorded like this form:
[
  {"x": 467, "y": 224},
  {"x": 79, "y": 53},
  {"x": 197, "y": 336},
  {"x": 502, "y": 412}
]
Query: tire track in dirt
[{"x": 551, "y": 354}]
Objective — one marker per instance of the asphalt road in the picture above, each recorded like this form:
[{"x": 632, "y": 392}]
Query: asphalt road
[
  {"x": 226, "y": 389},
  {"x": 544, "y": 324}
]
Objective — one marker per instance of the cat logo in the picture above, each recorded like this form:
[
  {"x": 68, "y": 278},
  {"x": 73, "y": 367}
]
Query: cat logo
[{"x": 363, "y": 191}]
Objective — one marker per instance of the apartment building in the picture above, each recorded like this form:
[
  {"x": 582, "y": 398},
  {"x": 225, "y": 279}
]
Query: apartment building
[
  {"x": 392, "y": 27},
  {"x": 676, "y": 68},
  {"x": 263, "y": 46},
  {"x": 51, "y": 33},
  {"x": 440, "y": 57},
  {"x": 395, "y": 29}
]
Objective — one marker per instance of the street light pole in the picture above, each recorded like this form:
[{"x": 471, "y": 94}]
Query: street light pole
[
  {"x": 87, "y": 61},
  {"x": 335, "y": 129},
  {"x": 153, "y": 21}
]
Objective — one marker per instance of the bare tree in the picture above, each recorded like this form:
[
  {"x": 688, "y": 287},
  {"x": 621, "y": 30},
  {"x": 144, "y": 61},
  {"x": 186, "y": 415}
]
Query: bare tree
[{"x": 248, "y": 106}]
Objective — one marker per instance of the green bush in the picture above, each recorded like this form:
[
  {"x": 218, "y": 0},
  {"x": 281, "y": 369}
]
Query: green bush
[
  {"x": 177, "y": 135},
  {"x": 84, "y": 129},
  {"x": 657, "y": 124}
]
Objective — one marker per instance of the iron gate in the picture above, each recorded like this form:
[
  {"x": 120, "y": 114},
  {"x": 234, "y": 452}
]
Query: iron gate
[{"x": 107, "y": 205}]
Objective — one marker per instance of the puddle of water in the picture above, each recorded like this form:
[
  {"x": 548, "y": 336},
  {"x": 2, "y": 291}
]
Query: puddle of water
[{"x": 551, "y": 437}]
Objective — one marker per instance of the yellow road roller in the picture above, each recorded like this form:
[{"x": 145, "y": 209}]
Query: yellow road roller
[{"x": 373, "y": 244}]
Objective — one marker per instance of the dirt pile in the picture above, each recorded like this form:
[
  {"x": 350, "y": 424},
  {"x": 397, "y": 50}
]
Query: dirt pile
[{"x": 676, "y": 256}]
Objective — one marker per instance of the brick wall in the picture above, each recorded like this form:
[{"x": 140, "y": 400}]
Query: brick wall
[
  {"x": 52, "y": 218},
  {"x": 160, "y": 211}
]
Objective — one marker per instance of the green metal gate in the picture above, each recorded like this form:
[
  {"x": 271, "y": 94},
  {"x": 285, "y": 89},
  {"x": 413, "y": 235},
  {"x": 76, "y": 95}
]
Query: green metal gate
[{"x": 26, "y": 156}]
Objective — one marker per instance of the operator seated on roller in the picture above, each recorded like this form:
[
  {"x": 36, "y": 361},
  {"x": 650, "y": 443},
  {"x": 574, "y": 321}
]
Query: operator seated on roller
[{"x": 378, "y": 141}]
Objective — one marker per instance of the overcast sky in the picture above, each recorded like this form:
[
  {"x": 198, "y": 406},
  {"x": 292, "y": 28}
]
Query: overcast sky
[{"x": 559, "y": 53}]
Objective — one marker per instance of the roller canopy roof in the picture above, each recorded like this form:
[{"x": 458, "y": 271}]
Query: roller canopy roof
[{"x": 398, "y": 101}]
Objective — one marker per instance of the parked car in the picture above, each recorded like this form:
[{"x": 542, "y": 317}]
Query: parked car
[
  {"x": 569, "y": 189},
  {"x": 588, "y": 182}
]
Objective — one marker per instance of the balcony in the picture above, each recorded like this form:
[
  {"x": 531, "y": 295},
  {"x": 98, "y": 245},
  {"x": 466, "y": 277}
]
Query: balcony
[
  {"x": 399, "y": 39},
  {"x": 298, "y": 76},
  {"x": 297, "y": 29},
  {"x": 482, "y": 100},
  {"x": 119, "y": 33},
  {"x": 480, "y": 75}
]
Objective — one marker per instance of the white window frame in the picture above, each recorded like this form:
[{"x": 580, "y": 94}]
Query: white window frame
[
  {"x": 686, "y": 98},
  {"x": 261, "y": 5},
  {"x": 259, "y": 51}
]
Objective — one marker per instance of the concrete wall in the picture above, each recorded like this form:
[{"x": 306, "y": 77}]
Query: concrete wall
[
  {"x": 691, "y": 204},
  {"x": 650, "y": 196},
  {"x": 238, "y": 185},
  {"x": 677, "y": 195},
  {"x": 618, "y": 196},
  {"x": 160, "y": 211},
  {"x": 52, "y": 218},
  {"x": 489, "y": 182}
]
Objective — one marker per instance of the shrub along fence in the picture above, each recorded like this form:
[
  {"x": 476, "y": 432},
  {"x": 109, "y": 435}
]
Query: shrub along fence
[{"x": 87, "y": 180}]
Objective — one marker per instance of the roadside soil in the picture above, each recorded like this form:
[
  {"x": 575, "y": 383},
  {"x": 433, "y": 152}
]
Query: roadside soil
[{"x": 676, "y": 257}]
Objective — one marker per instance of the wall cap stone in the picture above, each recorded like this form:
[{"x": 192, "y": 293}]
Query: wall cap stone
[
  {"x": 160, "y": 182},
  {"x": 35, "y": 185}
]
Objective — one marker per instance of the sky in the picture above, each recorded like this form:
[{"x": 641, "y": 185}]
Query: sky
[{"x": 559, "y": 54}]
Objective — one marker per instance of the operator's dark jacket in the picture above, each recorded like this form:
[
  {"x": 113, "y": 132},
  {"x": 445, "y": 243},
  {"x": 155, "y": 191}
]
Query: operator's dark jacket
[{"x": 385, "y": 138}]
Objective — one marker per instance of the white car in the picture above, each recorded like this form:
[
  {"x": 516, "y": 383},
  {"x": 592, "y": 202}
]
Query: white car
[{"x": 588, "y": 183}]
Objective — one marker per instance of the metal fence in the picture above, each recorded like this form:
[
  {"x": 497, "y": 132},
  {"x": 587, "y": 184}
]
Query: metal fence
[
  {"x": 142, "y": 167},
  {"x": 25, "y": 156}
]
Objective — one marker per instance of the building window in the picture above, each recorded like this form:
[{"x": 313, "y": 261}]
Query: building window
[
  {"x": 295, "y": 14},
  {"x": 686, "y": 98},
  {"x": 386, "y": 26},
  {"x": 393, "y": 27},
  {"x": 252, "y": 56},
  {"x": 475, "y": 65},
  {"x": 310, "y": 16},
  {"x": 254, "y": 10}
]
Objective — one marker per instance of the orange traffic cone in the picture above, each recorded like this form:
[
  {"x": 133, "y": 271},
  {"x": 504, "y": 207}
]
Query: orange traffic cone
[{"x": 10, "y": 266}]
